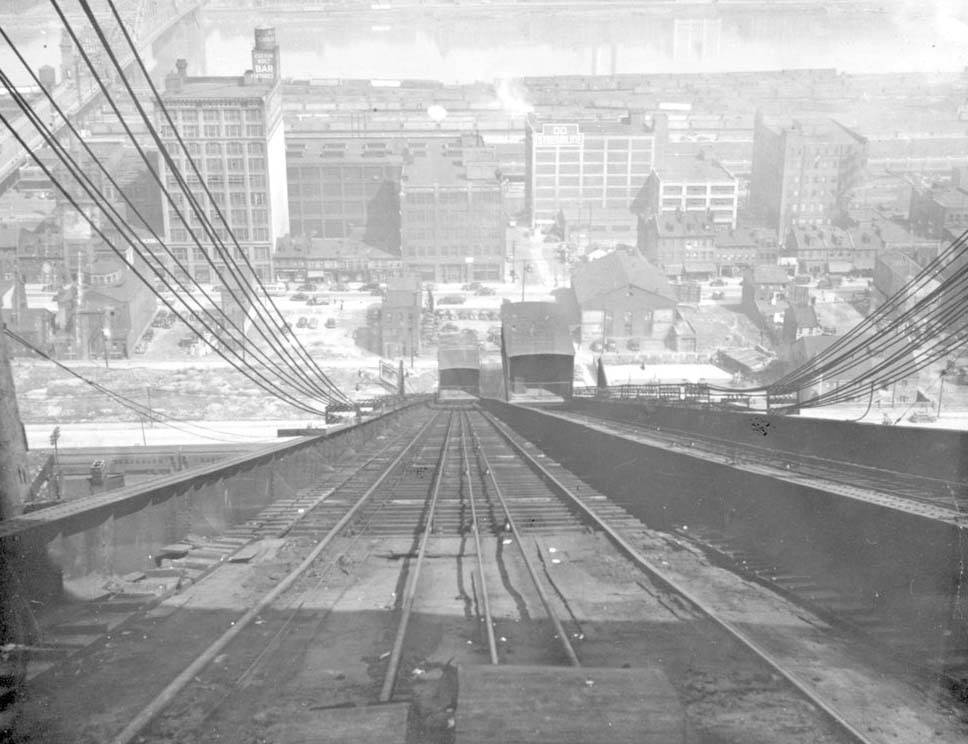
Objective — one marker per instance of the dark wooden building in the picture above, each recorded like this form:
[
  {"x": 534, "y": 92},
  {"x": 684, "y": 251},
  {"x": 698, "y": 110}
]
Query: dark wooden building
[
  {"x": 459, "y": 368},
  {"x": 537, "y": 348}
]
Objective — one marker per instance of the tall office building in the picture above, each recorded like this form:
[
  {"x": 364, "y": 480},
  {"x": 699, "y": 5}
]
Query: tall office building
[
  {"x": 233, "y": 130},
  {"x": 803, "y": 171},
  {"x": 452, "y": 215},
  {"x": 590, "y": 172}
]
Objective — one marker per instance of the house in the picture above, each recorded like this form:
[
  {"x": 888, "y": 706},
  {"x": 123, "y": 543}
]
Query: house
[
  {"x": 401, "y": 313},
  {"x": 679, "y": 245},
  {"x": 893, "y": 271},
  {"x": 623, "y": 296},
  {"x": 764, "y": 283},
  {"x": 740, "y": 248},
  {"x": 117, "y": 308},
  {"x": 828, "y": 249},
  {"x": 800, "y": 321}
]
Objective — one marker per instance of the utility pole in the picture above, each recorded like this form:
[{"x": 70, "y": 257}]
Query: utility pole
[
  {"x": 942, "y": 375},
  {"x": 13, "y": 440},
  {"x": 81, "y": 346},
  {"x": 106, "y": 335},
  {"x": 151, "y": 417}
]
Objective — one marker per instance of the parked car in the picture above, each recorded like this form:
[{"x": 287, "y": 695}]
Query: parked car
[
  {"x": 313, "y": 323},
  {"x": 453, "y": 300},
  {"x": 339, "y": 287},
  {"x": 717, "y": 283},
  {"x": 718, "y": 295},
  {"x": 633, "y": 345},
  {"x": 306, "y": 287},
  {"x": 449, "y": 328},
  {"x": 598, "y": 347},
  {"x": 302, "y": 322},
  {"x": 472, "y": 287},
  {"x": 369, "y": 287},
  {"x": 331, "y": 322},
  {"x": 299, "y": 297},
  {"x": 187, "y": 341},
  {"x": 318, "y": 300},
  {"x": 484, "y": 291}
]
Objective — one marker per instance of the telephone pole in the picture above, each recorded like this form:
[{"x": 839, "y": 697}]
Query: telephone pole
[{"x": 13, "y": 440}]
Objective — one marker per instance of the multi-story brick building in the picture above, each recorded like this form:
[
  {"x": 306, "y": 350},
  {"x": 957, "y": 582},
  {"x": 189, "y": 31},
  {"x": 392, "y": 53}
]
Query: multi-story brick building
[
  {"x": 745, "y": 246},
  {"x": 679, "y": 245},
  {"x": 832, "y": 249},
  {"x": 590, "y": 172},
  {"x": 937, "y": 209},
  {"x": 452, "y": 216},
  {"x": 233, "y": 130},
  {"x": 803, "y": 171},
  {"x": 345, "y": 188},
  {"x": 700, "y": 188}
]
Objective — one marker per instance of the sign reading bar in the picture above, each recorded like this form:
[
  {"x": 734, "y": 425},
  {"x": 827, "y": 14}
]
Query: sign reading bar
[{"x": 559, "y": 134}]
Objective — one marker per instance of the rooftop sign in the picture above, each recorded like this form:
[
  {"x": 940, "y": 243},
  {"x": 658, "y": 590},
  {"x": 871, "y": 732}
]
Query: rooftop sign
[{"x": 556, "y": 135}]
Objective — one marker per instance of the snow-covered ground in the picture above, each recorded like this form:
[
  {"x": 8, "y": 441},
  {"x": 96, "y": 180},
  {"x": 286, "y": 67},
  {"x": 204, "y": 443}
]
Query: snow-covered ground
[{"x": 133, "y": 434}]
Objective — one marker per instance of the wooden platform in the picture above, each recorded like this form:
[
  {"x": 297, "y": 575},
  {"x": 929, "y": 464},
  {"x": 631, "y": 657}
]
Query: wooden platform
[
  {"x": 373, "y": 724},
  {"x": 563, "y": 705}
]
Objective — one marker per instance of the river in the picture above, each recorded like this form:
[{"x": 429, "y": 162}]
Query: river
[{"x": 466, "y": 44}]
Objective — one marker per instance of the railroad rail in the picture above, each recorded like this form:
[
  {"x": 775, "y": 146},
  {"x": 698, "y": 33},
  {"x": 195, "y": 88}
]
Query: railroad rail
[{"x": 453, "y": 473}]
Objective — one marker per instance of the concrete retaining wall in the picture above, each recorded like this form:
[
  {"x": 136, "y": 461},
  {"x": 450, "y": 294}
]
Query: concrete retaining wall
[
  {"x": 906, "y": 566},
  {"x": 937, "y": 453}
]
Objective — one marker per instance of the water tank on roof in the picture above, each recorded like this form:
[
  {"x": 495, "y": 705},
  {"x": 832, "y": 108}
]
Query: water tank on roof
[{"x": 265, "y": 37}]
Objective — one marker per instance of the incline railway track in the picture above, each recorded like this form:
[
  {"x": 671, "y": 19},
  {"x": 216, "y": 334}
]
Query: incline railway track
[
  {"x": 939, "y": 492},
  {"x": 382, "y": 537}
]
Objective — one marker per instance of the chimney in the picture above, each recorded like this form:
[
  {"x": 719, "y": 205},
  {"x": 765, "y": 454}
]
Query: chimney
[{"x": 175, "y": 80}]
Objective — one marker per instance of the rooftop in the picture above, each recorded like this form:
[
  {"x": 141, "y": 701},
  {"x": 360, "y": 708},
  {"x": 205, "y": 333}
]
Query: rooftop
[
  {"x": 820, "y": 129},
  {"x": 606, "y": 121},
  {"x": 616, "y": 271},
  {"x": 179, "y": 85},
  {"x": 770, "y": 274},
  {"x": 807, "y": 235},
  {"x": 681, "y": 225},
  {"x": 693, "y": 169},
  {"x": 532, "y": 328},
  {"x": 451, "y": 167},
  {"x": 951, "y": 198},
  {"x": 746, "y": 236}
]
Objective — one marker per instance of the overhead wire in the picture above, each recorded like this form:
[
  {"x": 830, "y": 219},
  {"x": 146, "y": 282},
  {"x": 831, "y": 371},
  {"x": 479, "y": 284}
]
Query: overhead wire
[
  {"x": 913, "y": 345},
  {"x": 248, "y": 371},
  {"x": 275, "y": 340},
  {"x": 217, "y": 240},
  {"x": 117, "y": 220},
  {"x": 847, "y": 344}
]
